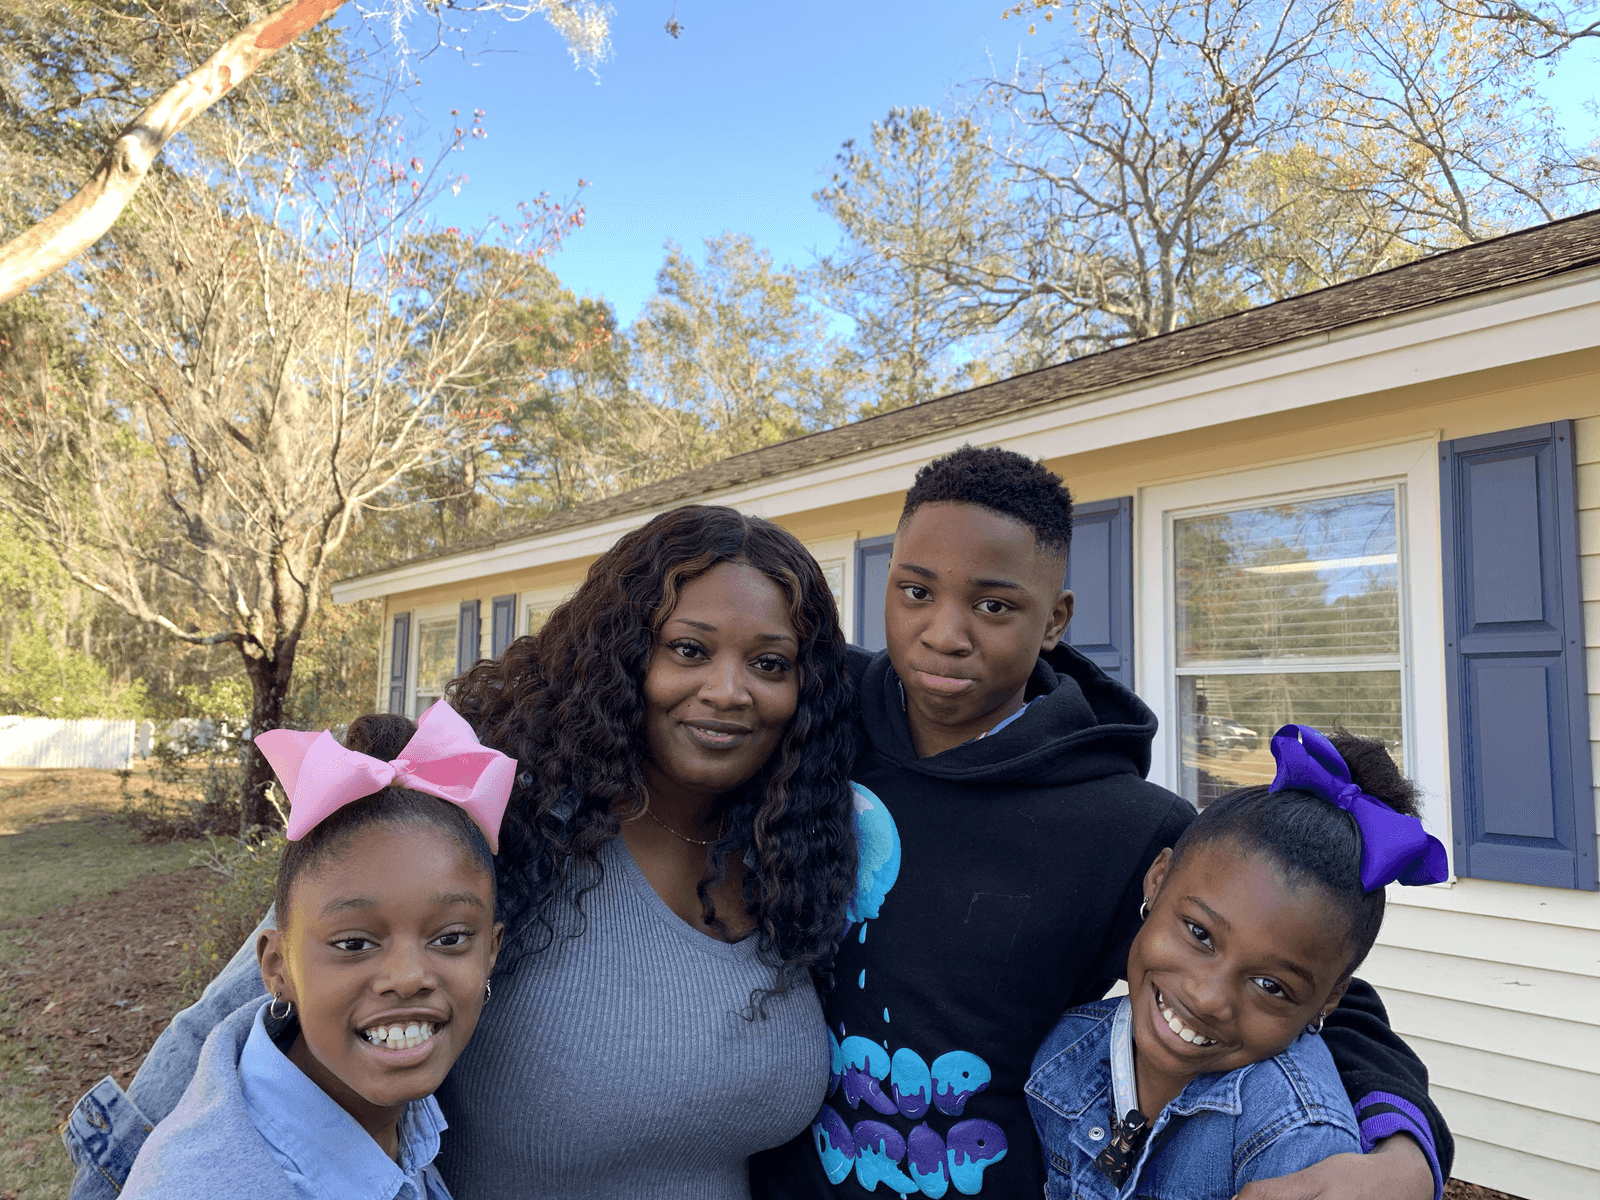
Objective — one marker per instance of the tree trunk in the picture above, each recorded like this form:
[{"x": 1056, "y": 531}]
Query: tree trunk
[{"x": 269, "y": 685}]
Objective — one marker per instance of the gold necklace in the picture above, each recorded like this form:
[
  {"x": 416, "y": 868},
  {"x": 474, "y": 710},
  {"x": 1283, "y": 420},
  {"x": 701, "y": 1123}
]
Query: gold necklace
[{"x": 684, "y": 837}]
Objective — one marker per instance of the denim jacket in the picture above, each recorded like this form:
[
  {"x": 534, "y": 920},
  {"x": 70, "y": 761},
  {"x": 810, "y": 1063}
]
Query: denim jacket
[
  {"x": 108, "y": 1126},
  {"x": 1264, "y": 1120}
]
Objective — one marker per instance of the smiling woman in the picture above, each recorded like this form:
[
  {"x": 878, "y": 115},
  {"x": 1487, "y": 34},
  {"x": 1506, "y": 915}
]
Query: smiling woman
[
  {"x": 720, "y": 691},
  {"x": 676, "y": 863}
]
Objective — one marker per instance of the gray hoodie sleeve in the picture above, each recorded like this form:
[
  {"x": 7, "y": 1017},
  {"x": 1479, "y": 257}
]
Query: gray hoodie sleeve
[{"x": 108, "y": 1125}]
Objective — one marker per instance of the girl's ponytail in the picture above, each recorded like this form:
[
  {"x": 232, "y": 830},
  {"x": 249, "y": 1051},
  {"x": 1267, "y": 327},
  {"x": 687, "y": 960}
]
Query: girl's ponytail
[{"x": 1339, "y": 816}]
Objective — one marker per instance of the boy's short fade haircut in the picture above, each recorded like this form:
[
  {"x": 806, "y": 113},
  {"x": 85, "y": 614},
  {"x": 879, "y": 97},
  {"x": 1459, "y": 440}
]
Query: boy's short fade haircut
[{"x": 1004, "y": 482}]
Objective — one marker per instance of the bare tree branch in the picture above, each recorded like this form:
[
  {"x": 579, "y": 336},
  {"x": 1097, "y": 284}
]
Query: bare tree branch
[
  {"x": 271, "y": 353},
  {"x": 81, "y": 221}
]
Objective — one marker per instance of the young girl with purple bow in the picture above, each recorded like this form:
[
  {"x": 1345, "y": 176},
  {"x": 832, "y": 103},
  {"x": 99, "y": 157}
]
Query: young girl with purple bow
[
  {"x": 378, "y": 970},
  {"x": 1208, "y": 1074}
]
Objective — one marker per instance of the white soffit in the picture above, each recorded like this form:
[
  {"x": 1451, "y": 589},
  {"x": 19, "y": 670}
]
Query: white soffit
[{"x": 1502, "y": 328}]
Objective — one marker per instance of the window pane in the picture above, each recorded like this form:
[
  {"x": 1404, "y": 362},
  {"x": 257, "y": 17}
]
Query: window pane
[
  {"x": 1313, "y": 578},
  {"x": 436, "y": 658},
  {"x": 536, "y": 617},
  {"x": 1228, "y": 721},
  {"x": 833, "y": 572}
]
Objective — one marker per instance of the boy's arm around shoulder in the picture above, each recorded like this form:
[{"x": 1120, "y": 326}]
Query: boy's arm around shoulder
[
  {"x": 1386, "y": 1082},
  {"x": 108, "y": 1126}
]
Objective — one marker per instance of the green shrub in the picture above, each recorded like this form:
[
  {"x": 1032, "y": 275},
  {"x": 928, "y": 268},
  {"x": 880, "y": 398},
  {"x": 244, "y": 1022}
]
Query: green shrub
[{"x": 229, "y": 909}]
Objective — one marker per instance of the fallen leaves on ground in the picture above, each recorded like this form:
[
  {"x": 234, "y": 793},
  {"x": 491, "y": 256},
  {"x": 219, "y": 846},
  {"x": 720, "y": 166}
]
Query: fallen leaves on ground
[
  {"x": 85, "y": 988},
  {"x": 1457, "y": 1190}
]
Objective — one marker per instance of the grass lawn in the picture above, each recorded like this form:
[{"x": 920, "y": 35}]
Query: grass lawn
[
  {"x": 75, "y": 964},
  {"x": 61, "y": 841}
]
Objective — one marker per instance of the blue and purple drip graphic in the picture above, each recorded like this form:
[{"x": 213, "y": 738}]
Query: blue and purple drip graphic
[
  {"x": 875, "y": 1150},
  {"x": 878, "y": 858},
  {"x": 863, "y": 1069}
]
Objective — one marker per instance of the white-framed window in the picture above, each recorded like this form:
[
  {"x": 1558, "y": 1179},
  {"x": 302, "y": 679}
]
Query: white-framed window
[
  {"x": 1304, "y": 592},
  {"x": 438, "y": 631},
  {"x": 833, "y": 572},
  {"x": 534, "y": 616},
  {"x": 538, "y": 605},
  {"x": 834, "y": 556}
]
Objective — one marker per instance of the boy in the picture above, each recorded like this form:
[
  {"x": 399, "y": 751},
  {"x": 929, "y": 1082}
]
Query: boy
[{"x": 1014, "y": 771}]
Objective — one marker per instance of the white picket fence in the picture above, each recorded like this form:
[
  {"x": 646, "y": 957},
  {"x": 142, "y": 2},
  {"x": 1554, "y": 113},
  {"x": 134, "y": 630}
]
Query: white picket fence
[
  {"x": 109, "y": 745},
  {"x": 46, "y": 742}
]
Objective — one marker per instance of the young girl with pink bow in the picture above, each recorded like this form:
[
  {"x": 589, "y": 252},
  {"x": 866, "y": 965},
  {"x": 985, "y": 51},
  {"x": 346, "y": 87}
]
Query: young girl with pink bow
[{"x": 378, "y": 970}]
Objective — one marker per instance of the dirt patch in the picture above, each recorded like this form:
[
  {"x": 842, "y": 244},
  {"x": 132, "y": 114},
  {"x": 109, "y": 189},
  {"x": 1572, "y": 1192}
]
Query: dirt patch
[
  {"x": 87, "y": 987},
  {"x": 1456, "y": 1190},
  {"x": 32, "y": 794},
  {"x": 62, "y": 841},
  {"x": 84, "y": 990}
]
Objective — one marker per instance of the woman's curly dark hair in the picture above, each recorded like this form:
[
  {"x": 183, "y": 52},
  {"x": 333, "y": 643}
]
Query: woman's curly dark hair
[{"x": 568, "y": 704}]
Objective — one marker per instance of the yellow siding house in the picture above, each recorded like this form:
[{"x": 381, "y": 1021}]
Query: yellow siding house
[{"x": 1377, "y": 503}]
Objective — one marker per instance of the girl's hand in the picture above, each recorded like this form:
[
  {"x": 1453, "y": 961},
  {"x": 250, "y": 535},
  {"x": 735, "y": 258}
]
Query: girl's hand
[{"x": 1395, "y": 1170}]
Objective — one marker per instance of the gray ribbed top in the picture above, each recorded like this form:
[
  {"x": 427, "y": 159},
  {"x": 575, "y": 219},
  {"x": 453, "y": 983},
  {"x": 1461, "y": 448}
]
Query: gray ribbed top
[{"x": 616, "y": 1064}]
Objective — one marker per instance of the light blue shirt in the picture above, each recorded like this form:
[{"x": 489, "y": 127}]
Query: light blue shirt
[
  {"x": 251, "y": 1126},
  {"x": 324, "y": 1152},
  {"x": 1004, "y": 721}
]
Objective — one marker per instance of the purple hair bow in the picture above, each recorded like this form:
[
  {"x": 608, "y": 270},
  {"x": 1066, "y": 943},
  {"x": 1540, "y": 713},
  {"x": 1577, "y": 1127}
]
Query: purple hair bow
[{"x": 1393, "y": 845}]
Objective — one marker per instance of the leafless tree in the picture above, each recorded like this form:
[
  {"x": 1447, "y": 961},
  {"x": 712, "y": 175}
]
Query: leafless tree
[
  {"x": 1544, "y": 29},
  {"x": 263, "y": 364},
  {"x": 1434, "y": 112},
  {"x": 1173, "y": 161},
  {"x": 82, "y": 220}
]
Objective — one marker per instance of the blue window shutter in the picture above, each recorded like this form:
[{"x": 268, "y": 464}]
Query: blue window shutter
[
  {"x": 399, "y": 655},
  {"x": 504, "y": 625},
  {"x": 468, "y": 636},
  {"x": 1521, "y": 794},
  {"x": 1100, "y": 575},
  {"x": 872, "y": 586}
]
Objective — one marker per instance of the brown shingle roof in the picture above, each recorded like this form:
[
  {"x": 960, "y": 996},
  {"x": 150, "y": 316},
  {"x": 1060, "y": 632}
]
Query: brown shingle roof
[{"x": 1544, "y": 251}]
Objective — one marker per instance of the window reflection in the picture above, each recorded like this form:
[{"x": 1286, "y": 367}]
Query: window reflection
[{"x": 1284, "y": 613}]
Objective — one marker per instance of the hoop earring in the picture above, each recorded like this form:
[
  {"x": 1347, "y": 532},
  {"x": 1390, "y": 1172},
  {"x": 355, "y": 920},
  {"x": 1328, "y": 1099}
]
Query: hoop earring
[
  {"x": 272, "y": 1009},
  {"x": 1144, "y": 910},
  {"x": 1316, "y": 1026},
  {"x": 487, "y": 991}
]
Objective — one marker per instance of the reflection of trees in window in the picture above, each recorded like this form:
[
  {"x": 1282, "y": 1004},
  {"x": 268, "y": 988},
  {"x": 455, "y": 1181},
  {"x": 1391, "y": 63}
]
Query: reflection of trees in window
[
  {"x": 1251, "y": 584},
  {"x": 436, "y": 659},
  {"x": 1262, "y": 594}
]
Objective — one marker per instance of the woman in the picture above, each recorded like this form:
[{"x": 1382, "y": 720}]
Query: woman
[
  {"x": 674, "y": 867},
  {"x": 681, "y": 829}
]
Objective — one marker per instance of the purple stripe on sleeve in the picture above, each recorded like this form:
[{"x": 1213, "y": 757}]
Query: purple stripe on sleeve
[{"x": 1383, "y": 1114}]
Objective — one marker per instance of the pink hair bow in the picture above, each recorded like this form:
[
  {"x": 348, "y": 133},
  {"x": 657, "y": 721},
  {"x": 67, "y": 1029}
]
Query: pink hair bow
[{"x": 443, "y": 758}]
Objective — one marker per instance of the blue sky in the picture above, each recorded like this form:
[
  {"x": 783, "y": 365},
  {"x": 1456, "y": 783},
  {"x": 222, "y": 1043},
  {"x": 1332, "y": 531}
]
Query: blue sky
[{"x": 731, "y": 126}]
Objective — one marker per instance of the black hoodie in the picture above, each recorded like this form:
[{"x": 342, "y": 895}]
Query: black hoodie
[{"x": 1020, "y": 868}]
